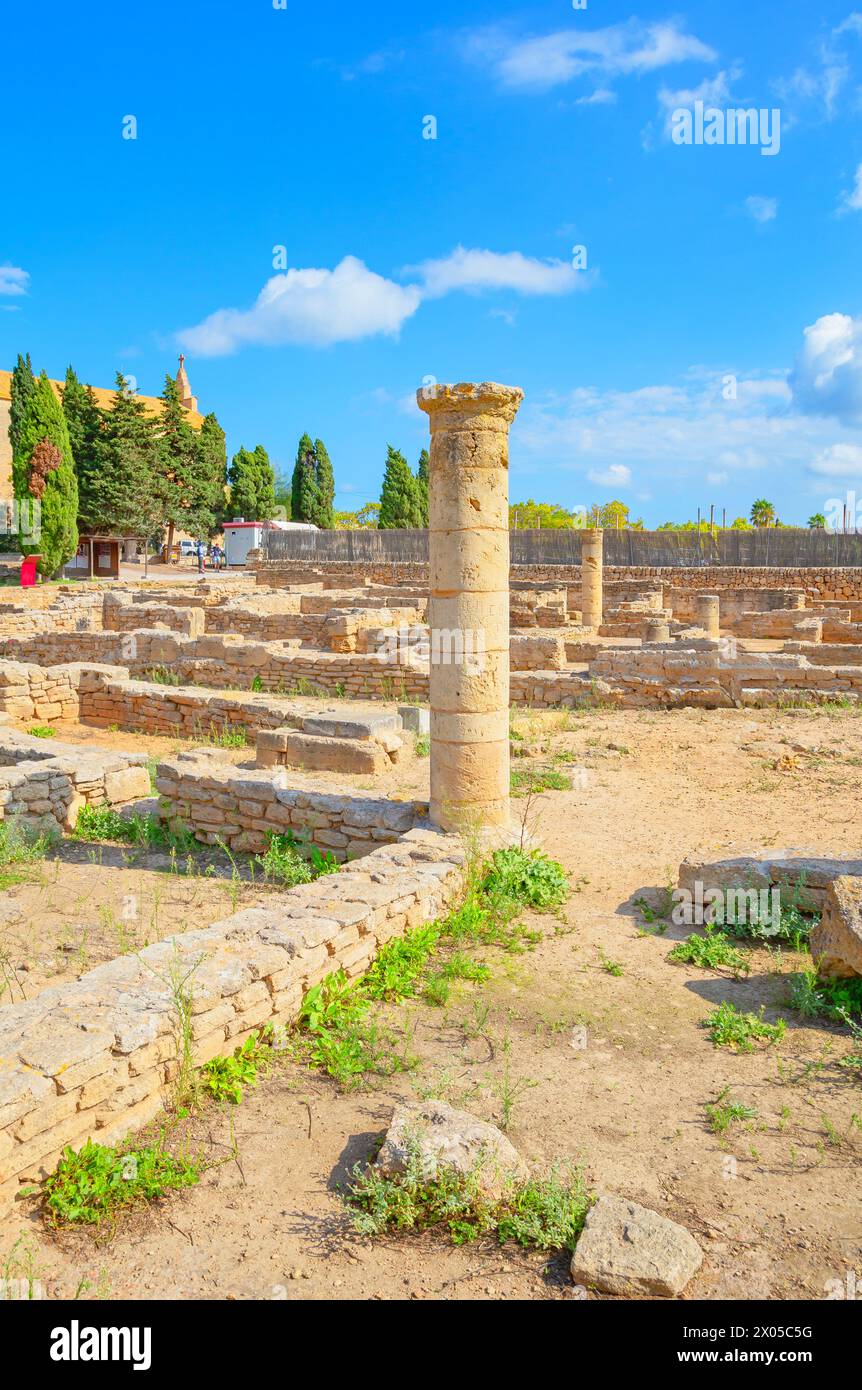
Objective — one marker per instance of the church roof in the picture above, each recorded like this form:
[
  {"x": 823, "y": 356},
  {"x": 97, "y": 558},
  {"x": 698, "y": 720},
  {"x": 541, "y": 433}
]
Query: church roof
[{"x": 104, "y": 397}]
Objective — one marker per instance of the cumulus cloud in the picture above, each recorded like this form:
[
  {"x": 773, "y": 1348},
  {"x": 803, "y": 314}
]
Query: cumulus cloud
[
  {"x": 476, "y": 270},
  {"x": 852, "y": 201},
  {"x": 667, "y": 434},
  {"x": 827, "y": 375},
  {"x": 761, "y": 209},
  {"x": 13, "y": 280},
  {"x": 839, "y": 461},
  {"x": 551, "y": 60},
  {"x": 313, "y": 307},
  {"x": 321, "y": 307}
]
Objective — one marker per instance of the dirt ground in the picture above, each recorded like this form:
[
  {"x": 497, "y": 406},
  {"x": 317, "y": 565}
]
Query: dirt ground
[{"x": 610, "y": 1065}]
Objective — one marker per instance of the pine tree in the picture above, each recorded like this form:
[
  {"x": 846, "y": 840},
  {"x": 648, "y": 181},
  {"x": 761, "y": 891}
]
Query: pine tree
[
  {"x": 124, "y": 496},
  {"x": 325, "y": 515},
  {"x": 84, "y": 423},
  {"x": 191, "y": 502},
  {"x": 304, "y": 501},
  {"x": 43, "y": 469},
  {"x": 23, "y": 386},
  {"x": 422, "y": 487},
  {"x": 399, "y": 502}
]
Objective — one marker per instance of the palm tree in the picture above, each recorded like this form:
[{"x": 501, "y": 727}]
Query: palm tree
[
  {"x": 817, "y": 522},
  {"x": 762, "y": 513}
]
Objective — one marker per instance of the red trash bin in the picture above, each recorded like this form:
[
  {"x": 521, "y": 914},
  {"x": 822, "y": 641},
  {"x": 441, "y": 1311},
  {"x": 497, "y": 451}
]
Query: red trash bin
[{"x": 28, "y": 570}]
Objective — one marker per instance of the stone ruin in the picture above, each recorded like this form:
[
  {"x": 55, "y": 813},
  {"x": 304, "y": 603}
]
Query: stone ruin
[{"x": 244, "y": 653}]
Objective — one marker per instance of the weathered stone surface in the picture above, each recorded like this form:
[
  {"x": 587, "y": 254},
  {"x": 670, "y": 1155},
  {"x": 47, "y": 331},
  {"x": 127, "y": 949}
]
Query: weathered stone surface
[
  {"x": 836, "y": 941},
  {"x": 628, "y": 1249},
  {"x": 450, "y": 1138}
]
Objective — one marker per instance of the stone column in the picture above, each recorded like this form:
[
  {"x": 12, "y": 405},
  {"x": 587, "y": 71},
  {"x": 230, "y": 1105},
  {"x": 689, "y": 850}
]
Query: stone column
[
  {"x": 468, "y": 611},
  {"x": 707, "y": 614},
  {"x": 591, "y": 578}
]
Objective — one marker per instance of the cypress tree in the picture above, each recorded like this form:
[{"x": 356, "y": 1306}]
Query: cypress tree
[
  {"x": 304, "y": 501},
  {"x": 265, "y": 484},
  {"x": 325, "y": 514},
  {"x": 422, "y": 487},
  {"x": 212, "y": 456},
  {"x": 84, "y": 423},
  {"x": 43, "y": 469},
  {"x": 23, "y": 386},
  {"x": 399, "y": 504},
  {"x": 243, "y": 496}
]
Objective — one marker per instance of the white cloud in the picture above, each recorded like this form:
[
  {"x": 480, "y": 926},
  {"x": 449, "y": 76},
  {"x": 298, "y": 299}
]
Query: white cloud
[
  {"x": 602, "y": 96},
  {"x": 615, "y": 475},
  {"x": 712, "y": 91},
  {"x": 827, "y": 375},
  {"x": 554, "y": 59},
  {"x": 489, "y": 270},
  {"x": 852, "y": 201},
  {"x": 672, "y": 435},
  {"x": 852, "y": 24},
  {"x": 321, "y": 307},
  {"x": 761, "y": 209},
  {"x": 13, "y": 280},
  {"x": 314, "y": 307},
  {"x": 839, "y": 461}
]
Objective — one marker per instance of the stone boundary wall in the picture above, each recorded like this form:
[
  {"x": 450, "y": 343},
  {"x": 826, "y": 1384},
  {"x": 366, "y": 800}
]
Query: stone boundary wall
[
  {"x": 242, "y": 807},
  {"x": 822, "y": 582},
  {"x": 95, "y": 1059}
]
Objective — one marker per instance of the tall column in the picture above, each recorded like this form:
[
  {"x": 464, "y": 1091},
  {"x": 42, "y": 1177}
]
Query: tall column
[
  {"x": 468, "y": 612},
  {"x": 708, "y": 614},
  {"x": 591, "y": 578}
]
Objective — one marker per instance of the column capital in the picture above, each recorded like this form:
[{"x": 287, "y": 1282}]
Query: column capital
[{"x": 470, "y": 399}]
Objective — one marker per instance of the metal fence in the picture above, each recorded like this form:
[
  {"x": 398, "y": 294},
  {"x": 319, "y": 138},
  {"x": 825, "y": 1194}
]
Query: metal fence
[{"x": 780, "y": 547}]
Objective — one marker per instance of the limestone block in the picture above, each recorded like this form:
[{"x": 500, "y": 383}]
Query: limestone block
[{"x": 836, "y": 941}]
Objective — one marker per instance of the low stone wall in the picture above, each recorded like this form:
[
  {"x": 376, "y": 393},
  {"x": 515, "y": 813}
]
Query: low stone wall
[
  {"x": 119, "y": 614},
  {"x": 243, "y": 807},
  {"x": 717, "y": 675},
  {"x": 46, "y": 781},
  {"x": 95, "y": 1059},
  {"x": 224, "y": 662}
]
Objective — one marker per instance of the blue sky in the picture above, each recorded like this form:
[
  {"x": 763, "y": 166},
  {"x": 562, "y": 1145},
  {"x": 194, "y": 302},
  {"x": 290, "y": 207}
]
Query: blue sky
[{"x": 710, "y": 352}]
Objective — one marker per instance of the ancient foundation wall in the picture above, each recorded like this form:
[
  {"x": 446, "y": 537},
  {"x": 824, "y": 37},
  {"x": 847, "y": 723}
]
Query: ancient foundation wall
[
  {"x": 243, "y": 807},
  {"x": 95, "y": 1059}
]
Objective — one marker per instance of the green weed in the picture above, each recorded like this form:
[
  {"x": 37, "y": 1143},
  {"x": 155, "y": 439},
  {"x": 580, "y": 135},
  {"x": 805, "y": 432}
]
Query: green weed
[
  {"x": 93, "y": 1185},
  {"x": 729, "y": 1028}
]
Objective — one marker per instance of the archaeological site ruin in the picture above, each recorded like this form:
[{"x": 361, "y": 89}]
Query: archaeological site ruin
[{"x": 390, "y": 725}]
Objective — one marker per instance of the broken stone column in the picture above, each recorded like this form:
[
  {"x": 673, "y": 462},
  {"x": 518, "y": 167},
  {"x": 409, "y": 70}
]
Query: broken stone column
[
  {"x": 591, "y": 578},
  {"x": 656, "y": 630},
  {"x": 707, "y": 614},
  {"x": 468, "y": 612}
]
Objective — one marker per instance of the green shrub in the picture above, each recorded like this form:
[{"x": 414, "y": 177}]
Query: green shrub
[
  {"x": 94, "y": 1184},
  {"x": 528, "y": 878},
  {"x": 224, "y": 1077},
  {"x": 833, "y": 999},
  {"x": 290, "y": 860},
  {"x": 97, "y": 823},
  {"x": 540, "y": 1214}
]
